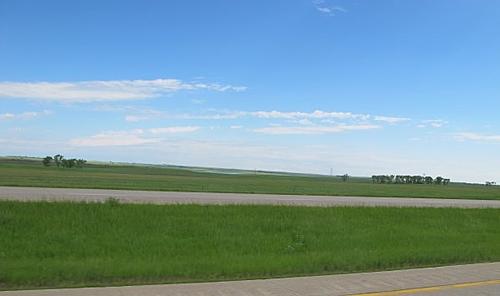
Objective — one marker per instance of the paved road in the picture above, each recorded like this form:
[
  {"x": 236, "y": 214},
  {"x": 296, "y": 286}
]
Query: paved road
[
  {"x": 475, "y": 279},
  {"x": 34, "y": 193}
]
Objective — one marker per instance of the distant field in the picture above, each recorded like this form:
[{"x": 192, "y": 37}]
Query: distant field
[
  {"x": 29, "y": 173},
  {"x": 63, "y": 244}
]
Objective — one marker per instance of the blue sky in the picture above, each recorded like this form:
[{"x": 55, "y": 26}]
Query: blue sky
[{"x": 362, "y": 87}]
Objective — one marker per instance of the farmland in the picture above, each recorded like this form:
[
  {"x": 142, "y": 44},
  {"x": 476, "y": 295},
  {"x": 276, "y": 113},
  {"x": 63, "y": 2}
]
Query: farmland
[{"x": 134, "y": 177}]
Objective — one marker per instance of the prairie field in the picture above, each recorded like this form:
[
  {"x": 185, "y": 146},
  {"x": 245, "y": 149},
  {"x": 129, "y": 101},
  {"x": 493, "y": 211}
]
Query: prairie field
[{"x": 134, "y": 177}]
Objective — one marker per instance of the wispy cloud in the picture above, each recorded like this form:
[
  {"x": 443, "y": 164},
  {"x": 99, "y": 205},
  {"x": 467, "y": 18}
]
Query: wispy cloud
[
  {"x": 324, "y": 7},
  {"x": 107, "y": 90},
  {"x": 114, "y": 138},
  {"x": 174, "y": 129},
  {"x": 477, "y": 137},
  {"x": 303, "y": 118},
  {"x": 136, "y": 118},
  {"x": 391, "y": 120},
  {"x": 291, "y": 130},
  {"x": 435, "y": 123},
  {"x": 24, "y": 115},
  {"x": 317, "y": 114},
  {"x": 133, "y": 137}
]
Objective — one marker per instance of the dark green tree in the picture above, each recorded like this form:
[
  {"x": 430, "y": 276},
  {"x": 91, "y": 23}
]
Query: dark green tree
[
  {"x": 47, "y": 160},
  {"x": 80, "y": 163},
  {"x": 58, "y": 159},
  {"x": 68, "y": 163}
]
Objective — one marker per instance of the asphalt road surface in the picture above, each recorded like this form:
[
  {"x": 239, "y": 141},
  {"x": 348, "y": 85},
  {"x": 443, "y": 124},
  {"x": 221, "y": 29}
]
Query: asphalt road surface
[
  {"x": 157, "y": 197},
  {"x": 474, "y": 279}
]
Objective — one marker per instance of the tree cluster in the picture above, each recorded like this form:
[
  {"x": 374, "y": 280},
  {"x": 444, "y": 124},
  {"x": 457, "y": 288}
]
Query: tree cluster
[
  {"x": 60, "y": 161},
  {"x": 344, "y": 177},
  {"x": 491, "y": 183},
  {"x": 400, "y": 179}
]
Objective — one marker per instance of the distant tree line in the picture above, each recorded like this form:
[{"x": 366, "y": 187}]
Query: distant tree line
[
  {"x": 59, "y": 161},
  {"x": 491, "y": 183},
  {"x": 400, "y": 179}
]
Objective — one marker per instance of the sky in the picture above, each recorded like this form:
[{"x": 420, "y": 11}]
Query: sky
[{"x": 349, "y": 86}]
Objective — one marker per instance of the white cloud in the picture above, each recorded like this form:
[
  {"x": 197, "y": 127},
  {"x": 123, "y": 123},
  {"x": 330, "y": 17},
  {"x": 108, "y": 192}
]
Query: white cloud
[
  {"x": 216, "y": 116},
  {"x": 114, "y": 138},
  {"x": 135, "y": 118},
  {"x": 324, "y": 7},
  {"x": 435, "y": 123},
  {"x": 391, "y": 120},
  {"x": 24, "y": 115},
  {"x": 174, "y": 129},
  {"x": 303, "y": 118},
  {"x": 108, "y": 90},
  {"x": 236, "y": 126},
  {"x": 304, "y": 121},
  {"x": 139, "y": 113},
  {"x": 147, "y": 114},
  {"x": 288, "y": 130},
  {"x": 317, "y": 114},
  {"x": 477, "y": 137},
  {"x": 7, "y": 116},
  {"x": 133, "y": 137}
]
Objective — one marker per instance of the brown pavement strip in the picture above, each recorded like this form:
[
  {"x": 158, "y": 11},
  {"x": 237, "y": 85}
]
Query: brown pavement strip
[
  {"x": 490, "y": 290},
  {"x": 158, "y": 197},
  {"x": 475, "y": 276},
  {"x": 474, "y": 288}
]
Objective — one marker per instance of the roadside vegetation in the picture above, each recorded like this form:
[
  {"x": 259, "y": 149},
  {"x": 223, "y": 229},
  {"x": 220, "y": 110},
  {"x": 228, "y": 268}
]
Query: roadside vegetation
[
  {"x": 105, "y": 176},
  {"x": 45, "y": 244}
]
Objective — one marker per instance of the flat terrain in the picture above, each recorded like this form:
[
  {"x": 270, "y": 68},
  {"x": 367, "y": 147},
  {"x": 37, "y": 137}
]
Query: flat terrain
[
  {"x": 466, "y": 280},
  {"x": 161, "y": 197},
  {"x": 31, "y": 173},
  {"x": 62, "y": 244}
]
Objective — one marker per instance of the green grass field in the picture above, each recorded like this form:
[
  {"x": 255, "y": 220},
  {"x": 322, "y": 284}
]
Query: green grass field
[
  {"x": 46, "y": 244},
  {"x": 30, "y": 173}
]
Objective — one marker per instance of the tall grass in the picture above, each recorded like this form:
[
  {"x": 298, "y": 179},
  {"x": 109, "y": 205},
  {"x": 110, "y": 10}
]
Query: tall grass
[{"x": 76, "y": 244}]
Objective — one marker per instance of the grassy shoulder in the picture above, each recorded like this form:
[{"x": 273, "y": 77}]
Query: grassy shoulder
[
  {"x": 46, "y": 244},
  {"x": 169, "y": 179}
]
